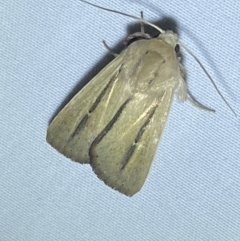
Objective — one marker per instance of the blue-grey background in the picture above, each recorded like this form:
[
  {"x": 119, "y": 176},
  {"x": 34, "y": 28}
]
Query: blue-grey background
[{"x": 48, "y": 50}]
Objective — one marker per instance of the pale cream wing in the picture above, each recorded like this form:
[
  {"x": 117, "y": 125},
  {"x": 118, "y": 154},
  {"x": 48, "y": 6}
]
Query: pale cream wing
[
  {"x": 83, "y": 118},
  {"x": 122, "y": 153}
]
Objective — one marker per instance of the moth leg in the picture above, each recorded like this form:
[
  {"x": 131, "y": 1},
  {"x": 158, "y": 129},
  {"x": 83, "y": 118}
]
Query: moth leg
[
  {"x": 197, "y": 104},
  {"x": 182, "y": 92},
  {"x": 109, "y": 49}
]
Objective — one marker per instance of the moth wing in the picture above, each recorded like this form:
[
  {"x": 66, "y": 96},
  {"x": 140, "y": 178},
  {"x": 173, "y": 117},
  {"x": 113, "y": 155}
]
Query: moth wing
[
  {"x": 72, "y": 131},
  {"x": 123, "y": 159},
  {"x": 121, "y": 155}
]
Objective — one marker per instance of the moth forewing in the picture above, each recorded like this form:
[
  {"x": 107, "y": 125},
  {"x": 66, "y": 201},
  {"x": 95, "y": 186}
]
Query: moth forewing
[
  {"x": 72, "y": 131},
  {"x": 124, "y": 164},
  {"x": 122, "y": 153}
]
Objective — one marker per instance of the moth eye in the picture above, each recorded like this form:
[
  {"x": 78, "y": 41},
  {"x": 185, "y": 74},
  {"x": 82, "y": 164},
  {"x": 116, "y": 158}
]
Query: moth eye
[{"x": 177, "y": 48}]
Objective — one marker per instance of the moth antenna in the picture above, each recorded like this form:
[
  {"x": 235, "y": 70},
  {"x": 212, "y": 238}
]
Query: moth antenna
[
  {"x": 208, "y": 75},
  {"x": 127, "y": 15}
]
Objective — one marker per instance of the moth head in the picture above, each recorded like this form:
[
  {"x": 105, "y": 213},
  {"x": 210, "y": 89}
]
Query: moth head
[{"x": 171, "y": 38}]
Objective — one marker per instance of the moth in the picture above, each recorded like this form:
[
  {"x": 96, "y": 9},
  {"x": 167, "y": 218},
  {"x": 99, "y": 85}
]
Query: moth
[{"x": 115, "y": 122}]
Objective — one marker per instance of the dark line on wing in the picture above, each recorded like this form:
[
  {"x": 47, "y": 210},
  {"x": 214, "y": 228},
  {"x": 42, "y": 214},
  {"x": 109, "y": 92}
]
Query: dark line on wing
[
  {"x": 84, "y": 120},
  {"x": 80, "y": 126},
  {"x": 98, "y": 100},
  {"x": 139, "y": 135},
  {"x": 109, "y": 125}
]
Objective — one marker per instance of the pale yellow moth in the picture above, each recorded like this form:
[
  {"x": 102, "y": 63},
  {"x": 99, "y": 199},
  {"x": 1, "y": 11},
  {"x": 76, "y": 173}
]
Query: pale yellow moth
[{"x": 115, "y": 122}]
